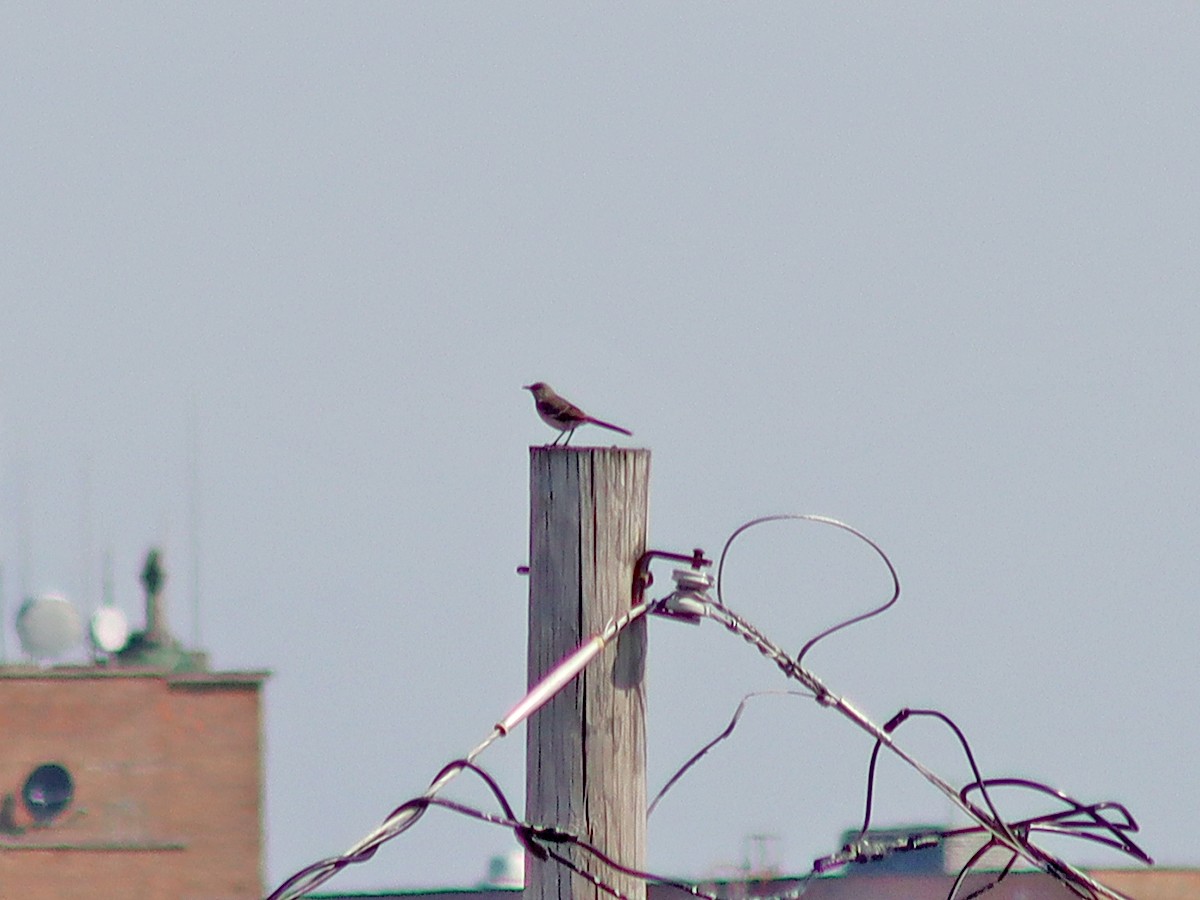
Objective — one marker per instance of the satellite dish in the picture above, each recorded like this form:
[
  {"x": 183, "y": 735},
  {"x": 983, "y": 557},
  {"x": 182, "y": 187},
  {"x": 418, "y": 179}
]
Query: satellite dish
[
  {"x": 109, "y": 630},
  {"x": 49, "y": 626}
]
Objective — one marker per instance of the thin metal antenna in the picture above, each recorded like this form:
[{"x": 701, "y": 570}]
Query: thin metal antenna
[
  {"x": 107, "y": 584},
  {"x": 86, "y": 536},
  {"x": 24, "y": 554},
  {"x": 194, "y": 518}
]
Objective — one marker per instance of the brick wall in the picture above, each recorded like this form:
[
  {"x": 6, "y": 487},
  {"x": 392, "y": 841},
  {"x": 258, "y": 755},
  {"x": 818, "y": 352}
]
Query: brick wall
[{"x": 167, "y": 779}]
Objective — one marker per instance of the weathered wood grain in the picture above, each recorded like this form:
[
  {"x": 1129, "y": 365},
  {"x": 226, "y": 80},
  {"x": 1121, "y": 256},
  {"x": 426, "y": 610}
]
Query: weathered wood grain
[{"x": 586, "y": 750}]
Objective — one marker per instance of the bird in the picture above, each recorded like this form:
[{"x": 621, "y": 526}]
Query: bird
[{"x": 560, "y": 413}]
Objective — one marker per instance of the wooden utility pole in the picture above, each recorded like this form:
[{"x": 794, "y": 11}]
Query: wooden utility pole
[{"x": 586, "y": 749}]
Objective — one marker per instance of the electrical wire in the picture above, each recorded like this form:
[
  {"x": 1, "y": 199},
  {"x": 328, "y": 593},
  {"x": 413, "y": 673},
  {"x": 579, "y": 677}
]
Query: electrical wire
[
  {"x": 973, "y": 861},
  {"x": 699, "y": 754},
  {"x": 407, "y": 814},
  {"x": 1076, "y": 821},
  {"x": 539, "y": 840},
  {"x": 398, "y": 821},
  {"x": 821, "y": 520},
  {"x": 1079, "y": 820},
  {"x": 990, "y": 821},
  {"x": 1066, "y": 822},
  {"x": 1074, "y": 878},
  {"x": 996, "y": 819}
]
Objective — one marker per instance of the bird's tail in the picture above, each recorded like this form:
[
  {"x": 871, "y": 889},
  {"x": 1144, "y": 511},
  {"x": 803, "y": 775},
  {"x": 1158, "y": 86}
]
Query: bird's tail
[{"x": 610, "y": 426}]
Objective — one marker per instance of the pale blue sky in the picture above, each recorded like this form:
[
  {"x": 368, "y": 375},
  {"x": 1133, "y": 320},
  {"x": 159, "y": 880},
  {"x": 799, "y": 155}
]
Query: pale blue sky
[{"x": 932, "y": 269}]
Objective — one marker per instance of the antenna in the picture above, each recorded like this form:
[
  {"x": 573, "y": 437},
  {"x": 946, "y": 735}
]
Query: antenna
[
  {"x": 86, "y": 549},
  {"x": 106, "y": 586},
  {"x": 23, "y": 542},
  {"x": 194, "y": 517}
]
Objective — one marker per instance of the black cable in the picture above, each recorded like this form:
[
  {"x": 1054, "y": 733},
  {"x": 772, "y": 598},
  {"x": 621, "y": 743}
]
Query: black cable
[
  {"x": 324, "y": 869},
  {"x": 870, "y": 787},
  {"x": 975, "y": 858},
  {"x": 534, "y": 838},
  {"x": 1077, "y": 820},
  {"x": 1063, "y": 823},
  {"x": 897, "y": 720},
  {"x": 695, "y": 758},
  {"x": 1014, "y": 836},
  {"x": 1002, "y": 833},
  {"x": 821, "y": 520}
]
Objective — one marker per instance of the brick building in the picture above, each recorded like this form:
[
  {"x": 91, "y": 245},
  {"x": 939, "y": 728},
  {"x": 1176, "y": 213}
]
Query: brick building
[
  {"x": 150, "y": 784},
  {"x": 139, "y": 776}
]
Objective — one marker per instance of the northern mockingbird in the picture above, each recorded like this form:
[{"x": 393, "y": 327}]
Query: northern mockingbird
[{"x": 560, "y": 413}]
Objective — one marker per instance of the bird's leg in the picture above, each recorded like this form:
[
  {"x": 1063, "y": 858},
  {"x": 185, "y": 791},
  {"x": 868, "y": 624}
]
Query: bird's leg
[
  {"x": 557, "y": 439},
  {"x": 568, "y": 433}
]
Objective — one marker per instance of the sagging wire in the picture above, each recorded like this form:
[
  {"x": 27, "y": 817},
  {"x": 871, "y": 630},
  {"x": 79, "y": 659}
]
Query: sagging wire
[
  {"x": 398, "y": 821},
  {"x": 973, "y": 861},
  {"x": 690, "y": 602},
  {"x": 564, "y": 837},
  {"x": 905, "y": 714},
  {"x": 539, "y": 839},
  {"x": 559, "y": 836},
  {"x": 1076, "y": 821},
  {"x": 1079, "y": 820},
  {"x": 989, "y": 821},
  {"x": 864, "y": 849},
  {"x": 1082, "y": 884},
  {"x": 407, "y": 814},
  {"x": 822, "y": 520},
  {"x": 699, "y": 754}
]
